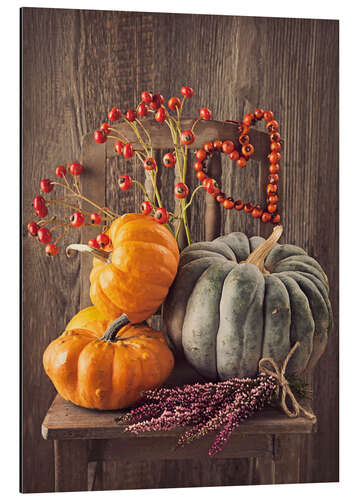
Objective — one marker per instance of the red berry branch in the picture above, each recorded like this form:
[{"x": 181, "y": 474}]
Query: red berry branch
[{"x": 50, "y": 229}]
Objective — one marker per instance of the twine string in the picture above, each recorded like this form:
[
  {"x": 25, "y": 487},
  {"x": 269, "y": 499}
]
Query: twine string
[{"x": 286, "y": 392}]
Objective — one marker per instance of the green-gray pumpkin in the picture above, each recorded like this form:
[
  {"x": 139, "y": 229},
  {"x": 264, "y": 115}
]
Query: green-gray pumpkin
[{"x": 224, "y": 314}]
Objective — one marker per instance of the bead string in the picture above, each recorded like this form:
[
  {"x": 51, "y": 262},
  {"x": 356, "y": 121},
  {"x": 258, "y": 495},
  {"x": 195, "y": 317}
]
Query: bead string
[{"x": 240, "y": 153}]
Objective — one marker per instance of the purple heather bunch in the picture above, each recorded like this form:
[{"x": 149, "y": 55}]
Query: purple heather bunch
[{"x": 203, "y": 407}]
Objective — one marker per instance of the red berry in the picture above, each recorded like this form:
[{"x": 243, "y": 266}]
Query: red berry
[
  {"x": 268, "y": 116},
  {"x": 157, "y": 101},
  {"x": 105, "y": 128},
  {"x": 173, "y": 103},
  {"x": 146, "y": 97},
  {"x": 244, "y": 139},
  {"x": 275, "y": 137},
  {"x": 241, "y": 162},
  {"x": 169, "y": 160},
  {"x": 272, "y": 208},
  {"x": 221, "y": 197},
  {"x": 100, "y": 137},
  {"x": 201, "y": 155},
  {"x": 114, "y": 114},
  {"x": 275, "y": 146},
  {"x": 227, "y": 147},
  {"x": 76, "y": 168},
  {"x": 77, "y": 219},
  {"x": 149, "y": 164},
  {"x": 249, "y": 119},
  {"x": 95, "y": 218},
  {"x": 238, "y": 205},
  {"x": 248, "y": 150},
  {"x": 181, "y": 190},
  {"x": 146, "y": 208},
  {"x": 234, "y": 155},
  {"x": 198, "y": 166},
  {"x": 131, "y": 115},
  {"x": 208, "y": 147},
  {"x": 161, "y": 215},
  {"x": 125, "y": 182},
  {"x": 217, "y": 145},
  {"x": 44, "y": 235},
  {"x": 274, "y": 157},
  {"x": 272, "y": 126},
  {"x": 32, "y": 228},
  {"x": 228, "y": 203},
  {"x": 257, "y": 212},
  {"x": 266, "y": 217},
  {"x": 46, "y": 185},
  {"x": 51, "y": 250},
  {"x": 259, "y": 113},
  {"x": 205, "y": 114},
  {"x": 42, "y": 212},
  {"x": 39, "y": 202},
  {"x": 248, "y": 207},
  {"x": 276, "y": 219},
  {"x": 200, "y": 175},
  {"x": 119, "y": 146},
  {"x": 61, "y": 171},
  {"x": 142, "y": 109},
  {"x": 128, "y": 150},
  {"x": 187, "y": 91},
  {"x": 160, "y": 115},
  {"x": 103, "y": 239},
  {"x": 93, "y": 243},
  {"x": 211, "y": 186},
  {"x": 187, "y": 137}
]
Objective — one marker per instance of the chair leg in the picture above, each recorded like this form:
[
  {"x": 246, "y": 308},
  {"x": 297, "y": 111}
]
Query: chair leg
[
  {"x": 287, "y": 452},
  {"x": 71, "y": 465}
]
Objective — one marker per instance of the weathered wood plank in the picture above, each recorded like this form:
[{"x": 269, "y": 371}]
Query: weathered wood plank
[{"x": 71, "y": 465}]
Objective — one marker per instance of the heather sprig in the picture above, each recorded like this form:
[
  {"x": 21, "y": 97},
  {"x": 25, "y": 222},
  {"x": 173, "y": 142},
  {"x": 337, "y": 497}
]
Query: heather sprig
[{"x": 203, "y": 407}]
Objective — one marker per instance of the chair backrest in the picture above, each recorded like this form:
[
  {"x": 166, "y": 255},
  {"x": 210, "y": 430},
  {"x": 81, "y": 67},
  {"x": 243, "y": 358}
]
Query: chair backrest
[{"x": 95, "y": 156}]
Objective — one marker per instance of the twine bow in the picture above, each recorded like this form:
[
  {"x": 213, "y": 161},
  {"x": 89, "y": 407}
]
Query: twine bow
[{"x": 279, "y": 375}]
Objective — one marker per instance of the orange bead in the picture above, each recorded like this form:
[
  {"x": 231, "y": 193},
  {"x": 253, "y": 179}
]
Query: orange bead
[
  {"x": 266, "y": 217},
  {"x": 259, "y": 113},
  {"x": 217, "y": 145},
  {"x": 274, "y": 157},
  {"x": 208, "y": 147},
  {"x": 201, "y": 154},
  {"x": 201, "y": 175},
  {"x": 244, "y": 139},
  {"x": 268, "y": 116},
  {"x": 275, "y": 146},
  {"x": 234, "y": 155},
  {"x": 274, "y": 168},
  {"x": 248, "y": 150},
  {"x": 276, "y": 219},
  {"x": 241, "y": 162},
  {"x": 257, "y": 212},
  {"x": 248, "y": 207},
  {"x": 272, "y": 208},
  {"x": 228, "y": 203},
  {"x": 227, "y": 147},
  {"x": 275, "y": 137},
  {"x": 272, "y": 188},
  {"x": 238, "y": 205}
]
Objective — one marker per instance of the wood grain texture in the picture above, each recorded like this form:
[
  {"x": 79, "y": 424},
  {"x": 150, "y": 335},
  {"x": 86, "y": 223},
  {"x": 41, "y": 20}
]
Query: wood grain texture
[{"x": 76, "y": 66}]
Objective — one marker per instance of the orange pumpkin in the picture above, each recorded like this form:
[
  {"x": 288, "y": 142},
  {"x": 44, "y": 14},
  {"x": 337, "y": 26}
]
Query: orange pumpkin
[
  {"x": 110, "y": 372},
  {"x": 134, "y": 278}
]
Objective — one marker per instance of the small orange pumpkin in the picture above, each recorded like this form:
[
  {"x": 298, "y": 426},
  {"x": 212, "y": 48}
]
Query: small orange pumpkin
[
  {"x": 135, "y": 273},
  {"x": 110, "y": 372}
]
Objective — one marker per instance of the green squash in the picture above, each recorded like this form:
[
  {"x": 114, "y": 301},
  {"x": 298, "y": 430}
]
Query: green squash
[{"x": 238, "y": 299}]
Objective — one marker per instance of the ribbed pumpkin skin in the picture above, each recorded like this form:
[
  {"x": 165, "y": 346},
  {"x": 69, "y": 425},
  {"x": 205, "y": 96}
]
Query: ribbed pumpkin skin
[
  {"x": 104, "y": 375},
  {"x": 224, "y": 316},
  {"x": 144, "y": 263}
]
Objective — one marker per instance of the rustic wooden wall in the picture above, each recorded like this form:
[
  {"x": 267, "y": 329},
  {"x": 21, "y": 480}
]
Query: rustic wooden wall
[{"x": 76, "y": 65}]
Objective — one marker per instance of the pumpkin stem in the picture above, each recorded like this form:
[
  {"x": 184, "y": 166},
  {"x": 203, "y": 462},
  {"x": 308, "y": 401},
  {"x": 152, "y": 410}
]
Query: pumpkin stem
[
  {"x": 113, "y": 329},
  {"x": 96, "y": 252},
  {"x": 260, "y": 253}
]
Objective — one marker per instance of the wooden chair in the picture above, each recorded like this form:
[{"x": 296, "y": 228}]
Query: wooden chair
[{"x": 84, "y": 438}]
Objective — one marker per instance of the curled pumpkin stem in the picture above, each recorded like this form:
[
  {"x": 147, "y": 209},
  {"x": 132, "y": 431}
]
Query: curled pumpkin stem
[
  {"x": 95, "y": 252},
  {"x": 259, "y": 255}
]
